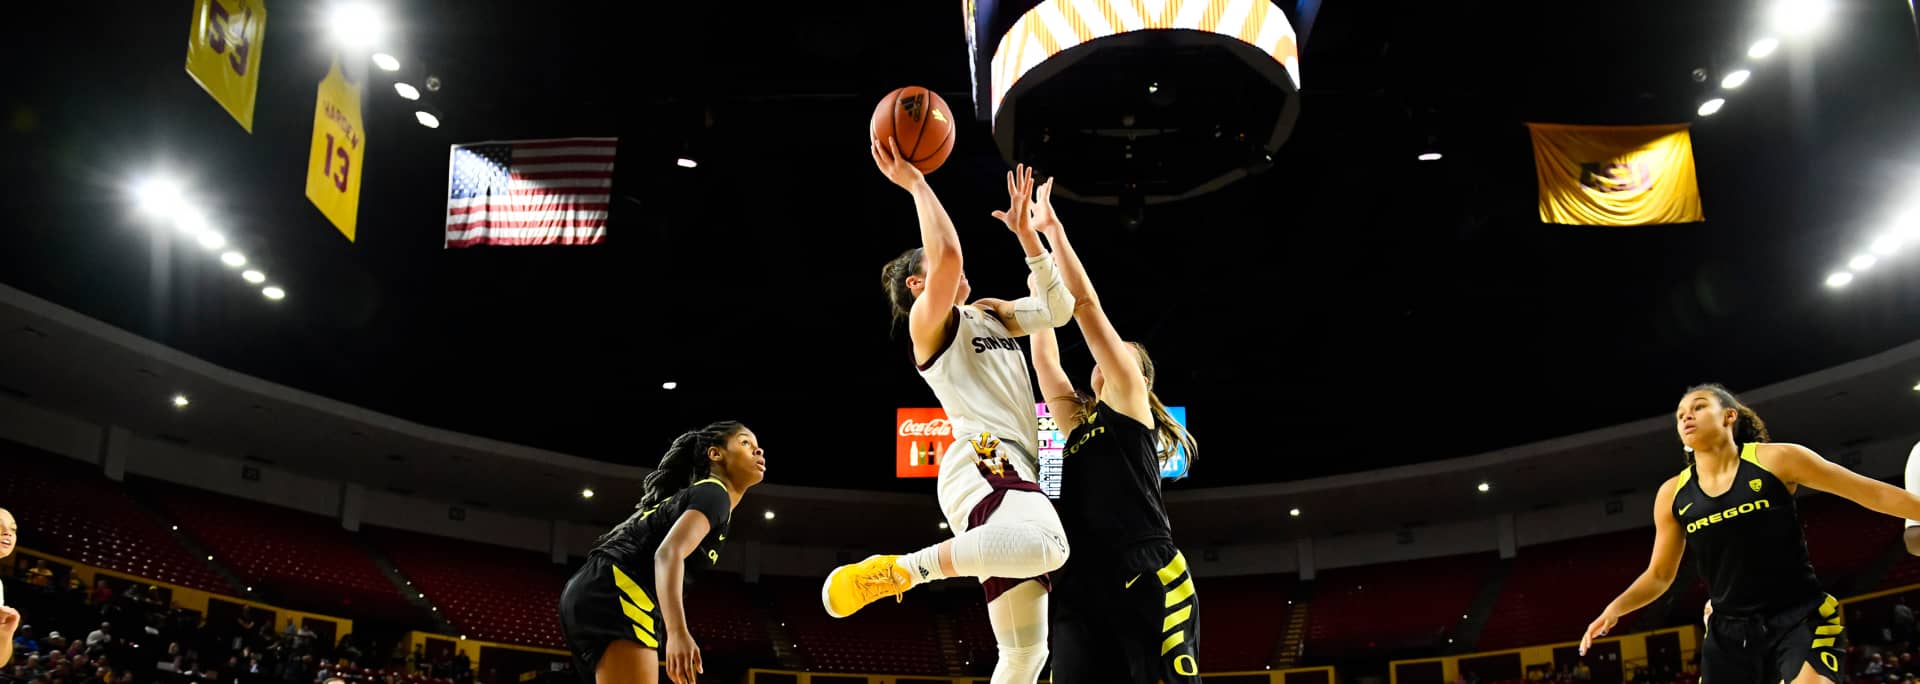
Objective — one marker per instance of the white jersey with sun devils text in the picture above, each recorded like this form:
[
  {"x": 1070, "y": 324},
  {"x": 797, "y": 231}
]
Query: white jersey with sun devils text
[{"x": 980, "y": 376}]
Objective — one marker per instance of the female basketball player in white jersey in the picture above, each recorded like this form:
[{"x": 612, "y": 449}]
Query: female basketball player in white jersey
[{"x": 1006, "y": 531}]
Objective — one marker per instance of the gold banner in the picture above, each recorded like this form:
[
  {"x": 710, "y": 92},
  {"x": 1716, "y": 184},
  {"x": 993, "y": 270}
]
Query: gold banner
[
  {"x": 1615, "y": 175},
  {"x": 339, "y": 145},
  {"x": 223, "y": 53}
]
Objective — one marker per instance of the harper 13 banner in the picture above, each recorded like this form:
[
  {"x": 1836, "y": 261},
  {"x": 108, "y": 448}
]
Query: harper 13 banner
[{"x": 1615, "y": 175}]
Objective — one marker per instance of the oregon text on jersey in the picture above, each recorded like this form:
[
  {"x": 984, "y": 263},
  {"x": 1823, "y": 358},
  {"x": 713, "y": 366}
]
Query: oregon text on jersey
[{"x": 1728, "y": 514}]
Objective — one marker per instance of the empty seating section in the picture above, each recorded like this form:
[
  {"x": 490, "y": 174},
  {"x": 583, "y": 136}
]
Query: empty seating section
[
  {"x": 296, "y": 556},
  {"x": 71, "y": 510},
  {"x": 1553, "y": 590},
  {"x": 508, "y": 595},
  {"x": 885, "y": 637},
  {"x": 1242, "y": 620},
  {"x": 1384, "y": 608},
  {"x": 491, "y": 593},
  {"x": 1842, "y": 537}
]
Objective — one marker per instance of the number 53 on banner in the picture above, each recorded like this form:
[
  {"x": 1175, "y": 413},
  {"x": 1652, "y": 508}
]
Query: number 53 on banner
[
  {"x": 223, "y": 53},
  {"x": 339, "y": 144}
]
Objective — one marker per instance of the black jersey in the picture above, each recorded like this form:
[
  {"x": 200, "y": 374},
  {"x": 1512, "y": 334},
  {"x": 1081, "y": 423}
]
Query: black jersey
[
  {"x": 1110, "y": 487},
  {"x": 1748, "y": 541},
  {"x": 632, "y": 543}
]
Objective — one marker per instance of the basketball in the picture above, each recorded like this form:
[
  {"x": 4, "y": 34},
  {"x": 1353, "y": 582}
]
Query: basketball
[{"x": 921, "y": 123}]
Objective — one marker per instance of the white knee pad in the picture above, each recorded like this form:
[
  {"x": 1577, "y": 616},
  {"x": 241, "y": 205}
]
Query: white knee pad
[
  {"x": 1013, "y": 550},
  {"x": 1020, "y": 664}
]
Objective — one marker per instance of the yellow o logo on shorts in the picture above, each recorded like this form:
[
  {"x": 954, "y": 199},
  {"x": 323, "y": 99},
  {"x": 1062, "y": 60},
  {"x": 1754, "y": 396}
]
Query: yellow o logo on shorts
[{"x": 1184, "y": 665}]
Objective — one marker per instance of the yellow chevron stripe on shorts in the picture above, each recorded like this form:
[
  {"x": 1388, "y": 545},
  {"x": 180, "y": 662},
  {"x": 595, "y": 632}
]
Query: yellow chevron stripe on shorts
[
  {"x": 635, "y": 605},
  {"x": 1174, "y": 569},
  {"x": 631, "y": 589}
]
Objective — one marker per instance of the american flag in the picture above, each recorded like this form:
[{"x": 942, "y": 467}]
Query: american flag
[{"x": 529, "y": 192}]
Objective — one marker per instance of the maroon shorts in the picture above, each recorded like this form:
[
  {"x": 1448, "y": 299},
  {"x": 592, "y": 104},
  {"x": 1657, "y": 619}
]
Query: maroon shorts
[{"x": 1006, "y": 480}]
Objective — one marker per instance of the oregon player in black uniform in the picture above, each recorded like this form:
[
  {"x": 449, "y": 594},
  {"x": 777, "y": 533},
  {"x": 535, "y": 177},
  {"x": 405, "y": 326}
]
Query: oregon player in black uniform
[
  {"x": 1733, "y": 506},
  {"x": 1124, "y": 608},
  {"x": 623, "y": 607}
]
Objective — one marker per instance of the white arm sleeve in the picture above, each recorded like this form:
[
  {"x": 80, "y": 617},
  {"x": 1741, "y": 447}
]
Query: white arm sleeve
[
  {"x": 1913, "y": 476},
  {"x": 1052, "y": 306}
]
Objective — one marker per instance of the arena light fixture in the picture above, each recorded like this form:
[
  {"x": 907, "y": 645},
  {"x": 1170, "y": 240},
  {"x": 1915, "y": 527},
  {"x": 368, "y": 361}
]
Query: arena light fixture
[
  {"x": 1735, "y": 79},
  {"x": 1763, "y": 47},
  {"x": 943, "y": 525},
  {"x": 1429, "y": 156},
  {"x": 386, "y": 62},
  {"x": 586, "y": 493},
  {"x": 159, "y": 197},
  {"x": 426, "y": 119},
  {"x": 1862, "y": 262},
  {"x": 253, "y": 276},
  {"x": 1485, "y": 487},
  {"x": 1712, "y": 106},
  {"x": 1839, "y": 279},
  {"x": 669, "y": 385},
  {"x": 686, "y": 163},
  {"x": 1295, "y": 512},
  {"x": 769, "y": 515},
  {"x": 211, "y": 239},
  {"x": 180, "y": 401},
  {"x": 233, "y": 259},
  {"x": 273, "y": 292},
  {"x": 1798, "y": 18},
  {"x": 1887, "y": 244},
  {"x": 406, "y": 90},
  {"x": 357, "y": 25}
]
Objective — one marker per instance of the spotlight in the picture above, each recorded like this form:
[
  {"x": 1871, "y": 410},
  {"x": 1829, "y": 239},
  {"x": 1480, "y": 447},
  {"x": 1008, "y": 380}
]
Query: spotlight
[
  {"x": 1484, "y": 487},
  {"x": 1862, "y": 262},
  {"x": 190, "y": 221},
  {"x": 1886, "y": 245},
  {"x": 769, "y": 515},
  {"x": 1736, "y": 79},
  {"x": 1799, "y": 17},
  {"x": 406, "y": 90},
  {"x": 1710, "y": 106},
  {"x": 1295, "y": 512},
  {"x": 686, "y": 163},
  {"x": 1429, "y": 156},
  {"x": 586, "y": 493},
  {"x": 234, "y": 259},
  {"x": 428, "y": 120},
  {"x": 943, "y": 524},
  {"x": 273, "y": 292},
  {"x": 253, "y": 276},
  {"x": 159, "y": 197},
  {"x": 1839, "y": 279},
  {"x": 669, "y": 385},
  {"x": 181, "y": 401},
  {"x": 357, "y": 25},
  {"x": 1763, "y": 47},
  {"x": 386, "y": 62},
  {"x": 211, "y": 240}
]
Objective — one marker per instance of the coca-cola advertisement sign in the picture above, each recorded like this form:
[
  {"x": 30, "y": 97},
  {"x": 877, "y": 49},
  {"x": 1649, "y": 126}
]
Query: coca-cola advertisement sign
[{"x": 921, "y": 438}]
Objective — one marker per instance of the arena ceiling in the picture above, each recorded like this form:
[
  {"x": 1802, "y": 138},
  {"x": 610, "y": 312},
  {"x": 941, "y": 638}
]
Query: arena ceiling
[{"x": 1351, "y": 309}]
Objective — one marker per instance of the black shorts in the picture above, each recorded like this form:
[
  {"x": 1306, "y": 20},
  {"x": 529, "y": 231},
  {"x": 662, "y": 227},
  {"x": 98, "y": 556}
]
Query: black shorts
[
  {"x": 1771, "y": 649},
  {"x": 1117, "y": 625},
  {"x": 604, "y": 603}
]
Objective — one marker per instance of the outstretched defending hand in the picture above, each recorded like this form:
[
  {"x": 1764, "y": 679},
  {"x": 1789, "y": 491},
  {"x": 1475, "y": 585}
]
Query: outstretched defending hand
[{"x": 1019, "y": 213}]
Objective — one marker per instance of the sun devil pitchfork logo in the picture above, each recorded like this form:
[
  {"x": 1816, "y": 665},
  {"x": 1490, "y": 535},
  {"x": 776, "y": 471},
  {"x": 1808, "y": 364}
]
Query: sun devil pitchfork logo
[{"x": 1615, "y": 176}]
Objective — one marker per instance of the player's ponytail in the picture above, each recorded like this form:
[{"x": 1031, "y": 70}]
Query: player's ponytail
[
  {"x": 1169, "y": 435},
  {"x": 1748, "y": 428},
  {"x": 684, "y": 464},
  {"x": 893, "y": 279}
]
